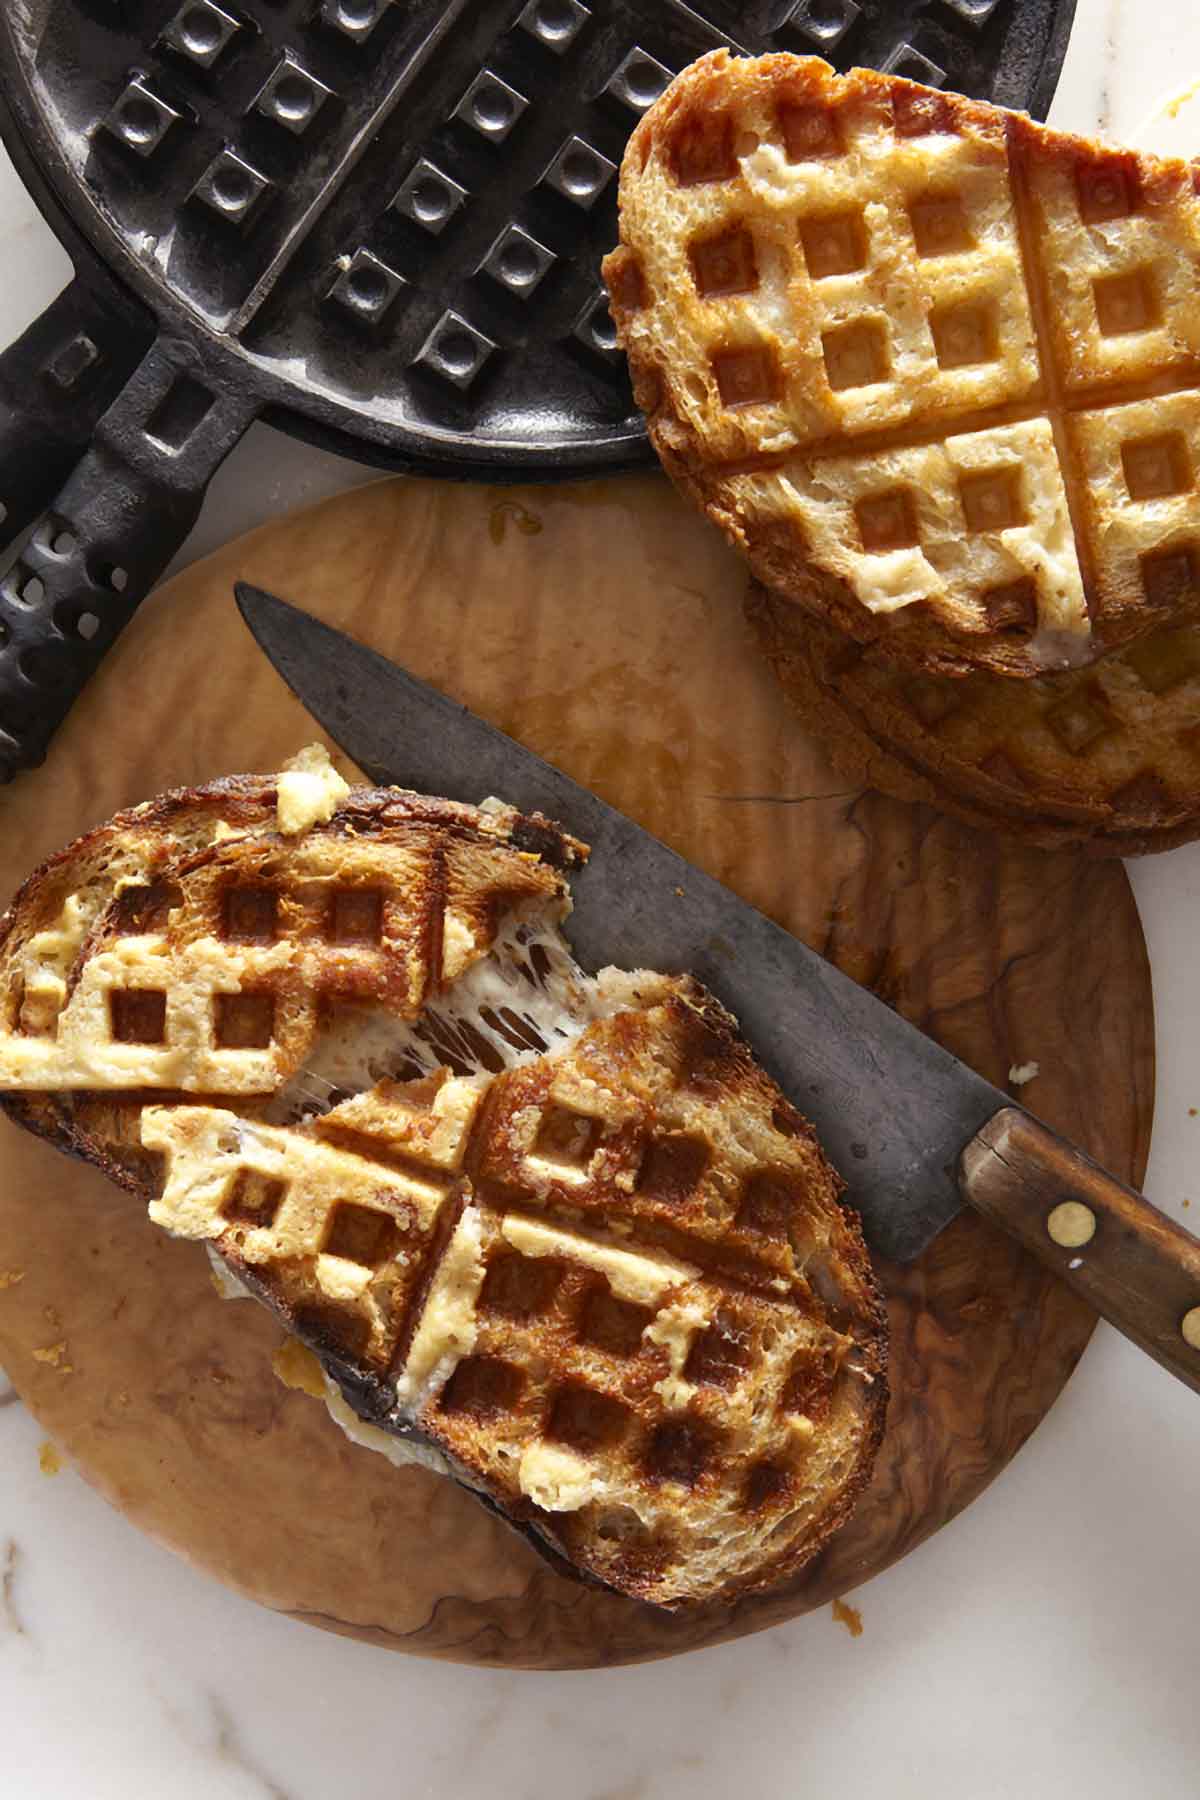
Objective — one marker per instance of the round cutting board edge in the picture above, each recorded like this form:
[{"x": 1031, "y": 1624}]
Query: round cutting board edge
[{"x": 601, "y": 624}]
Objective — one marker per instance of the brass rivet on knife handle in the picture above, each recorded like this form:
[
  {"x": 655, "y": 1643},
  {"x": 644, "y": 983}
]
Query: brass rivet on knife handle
[
  {"x": 1071, "y": 1224},
  {"x": 1141, "y": 1270}
]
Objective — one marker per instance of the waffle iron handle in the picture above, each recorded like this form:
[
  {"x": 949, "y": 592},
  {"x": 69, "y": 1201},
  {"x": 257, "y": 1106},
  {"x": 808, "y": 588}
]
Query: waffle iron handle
[
  {"x": 1137, "y": 1267},
  {"x": 56, "y": 381},
  {"x": 109, "y": 533}
]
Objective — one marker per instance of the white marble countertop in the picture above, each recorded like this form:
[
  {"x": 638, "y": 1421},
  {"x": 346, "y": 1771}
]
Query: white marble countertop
[{"x": 1043, "y": 1645}]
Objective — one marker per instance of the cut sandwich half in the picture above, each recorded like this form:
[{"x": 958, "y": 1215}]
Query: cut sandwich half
[
  {"x": 933, "y": 368},
  {"x": 553, "y": 1234}
]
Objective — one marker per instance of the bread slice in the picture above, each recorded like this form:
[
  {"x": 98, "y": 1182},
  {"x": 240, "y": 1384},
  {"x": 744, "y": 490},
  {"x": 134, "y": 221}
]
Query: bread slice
[
  {"x": 1104, "y": 759},
  {"x": 558, "y": 1236},
  {"x": 933, "y": 368}
]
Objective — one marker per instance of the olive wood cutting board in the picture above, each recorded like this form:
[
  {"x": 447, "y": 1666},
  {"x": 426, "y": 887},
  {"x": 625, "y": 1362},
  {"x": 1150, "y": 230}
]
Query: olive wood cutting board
[{"x": 601, "y": 624}]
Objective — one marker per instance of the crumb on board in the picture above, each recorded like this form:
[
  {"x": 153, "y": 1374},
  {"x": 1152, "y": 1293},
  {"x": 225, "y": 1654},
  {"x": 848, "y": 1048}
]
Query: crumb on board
[
  {"x": 1020, "y": 1073},
  {"x": 55, "y": 1356},
  {"x": 1186, "y": 1204},
  {"x": 1175, "y": 105},
  {"x": 297, "y": 1367},
  {"x": 10, "y": 1277},
  {"x": 849, "y": 1616},
  {"x": 49, "y": 1460},
  {"x": 1191, "y": 1115},
  {"x": 679, "y": 893},
  {"x": 527, "y": 523}
]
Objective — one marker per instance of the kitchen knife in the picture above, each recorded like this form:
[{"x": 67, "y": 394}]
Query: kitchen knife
[{"x": 915, "y": 1134}]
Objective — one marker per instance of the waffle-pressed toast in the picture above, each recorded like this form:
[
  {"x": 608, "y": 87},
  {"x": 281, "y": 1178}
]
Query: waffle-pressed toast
[
  {"x": 558, "y": 1236},
  {"x": 1104, "y": 759},
  {"x": 934, "y": 368}
]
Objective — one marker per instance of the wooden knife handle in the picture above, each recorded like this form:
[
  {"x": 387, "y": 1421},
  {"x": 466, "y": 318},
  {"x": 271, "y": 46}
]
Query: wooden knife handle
[{"x": 1138, "y": 1268}]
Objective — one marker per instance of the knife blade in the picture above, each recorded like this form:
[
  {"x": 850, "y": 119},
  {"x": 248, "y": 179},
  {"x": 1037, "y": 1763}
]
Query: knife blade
[
  {"x": 914, "y": 1133},
  {"x": 892, "y": 1108}
]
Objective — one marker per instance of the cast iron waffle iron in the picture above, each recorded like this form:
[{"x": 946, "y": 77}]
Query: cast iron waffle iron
[{"x": 376, "y": 223}]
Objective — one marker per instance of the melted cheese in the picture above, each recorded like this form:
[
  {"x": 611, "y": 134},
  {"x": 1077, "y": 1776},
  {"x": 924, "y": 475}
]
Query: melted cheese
[
  {"x": 551, "y": 997},
  {"x": 630, "y": 1276},
  {"x": 48, "y": 960},
  {"x": 447, "y": 1330},
  {"x": 555, "y": 1479},
  {"x": 206, "y": 1147},
  {"x": 675, "y": 1328},
  {"x": 309, "y": 791},
  {"x": 297, "y": 1367},
  {"x": 403, "y": 1452},
  {"x": 459, "y": 946},
  {"x": 227, "y": 1284}
]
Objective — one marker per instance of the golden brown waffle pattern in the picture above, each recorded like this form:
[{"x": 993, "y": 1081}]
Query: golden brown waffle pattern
[
  {"x": 1106, "y": 757},
  {"x": 933, "y": 367},
  {"x": 614, "y": 1286},
  {"x": 565, "y": 1232},
  {"x": 211, "y": 972}
]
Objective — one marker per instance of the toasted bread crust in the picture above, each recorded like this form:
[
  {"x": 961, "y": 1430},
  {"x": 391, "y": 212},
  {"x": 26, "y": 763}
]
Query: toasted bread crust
[
  {"x": 989, "y": 759},
  {"x": 187, "y": 818},
  {"x": 1057, "y": 560},
  {"x": 611, "y": 1282}
]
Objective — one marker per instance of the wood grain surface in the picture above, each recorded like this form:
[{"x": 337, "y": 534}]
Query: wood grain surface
[{"x": 603, "y": 625}]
